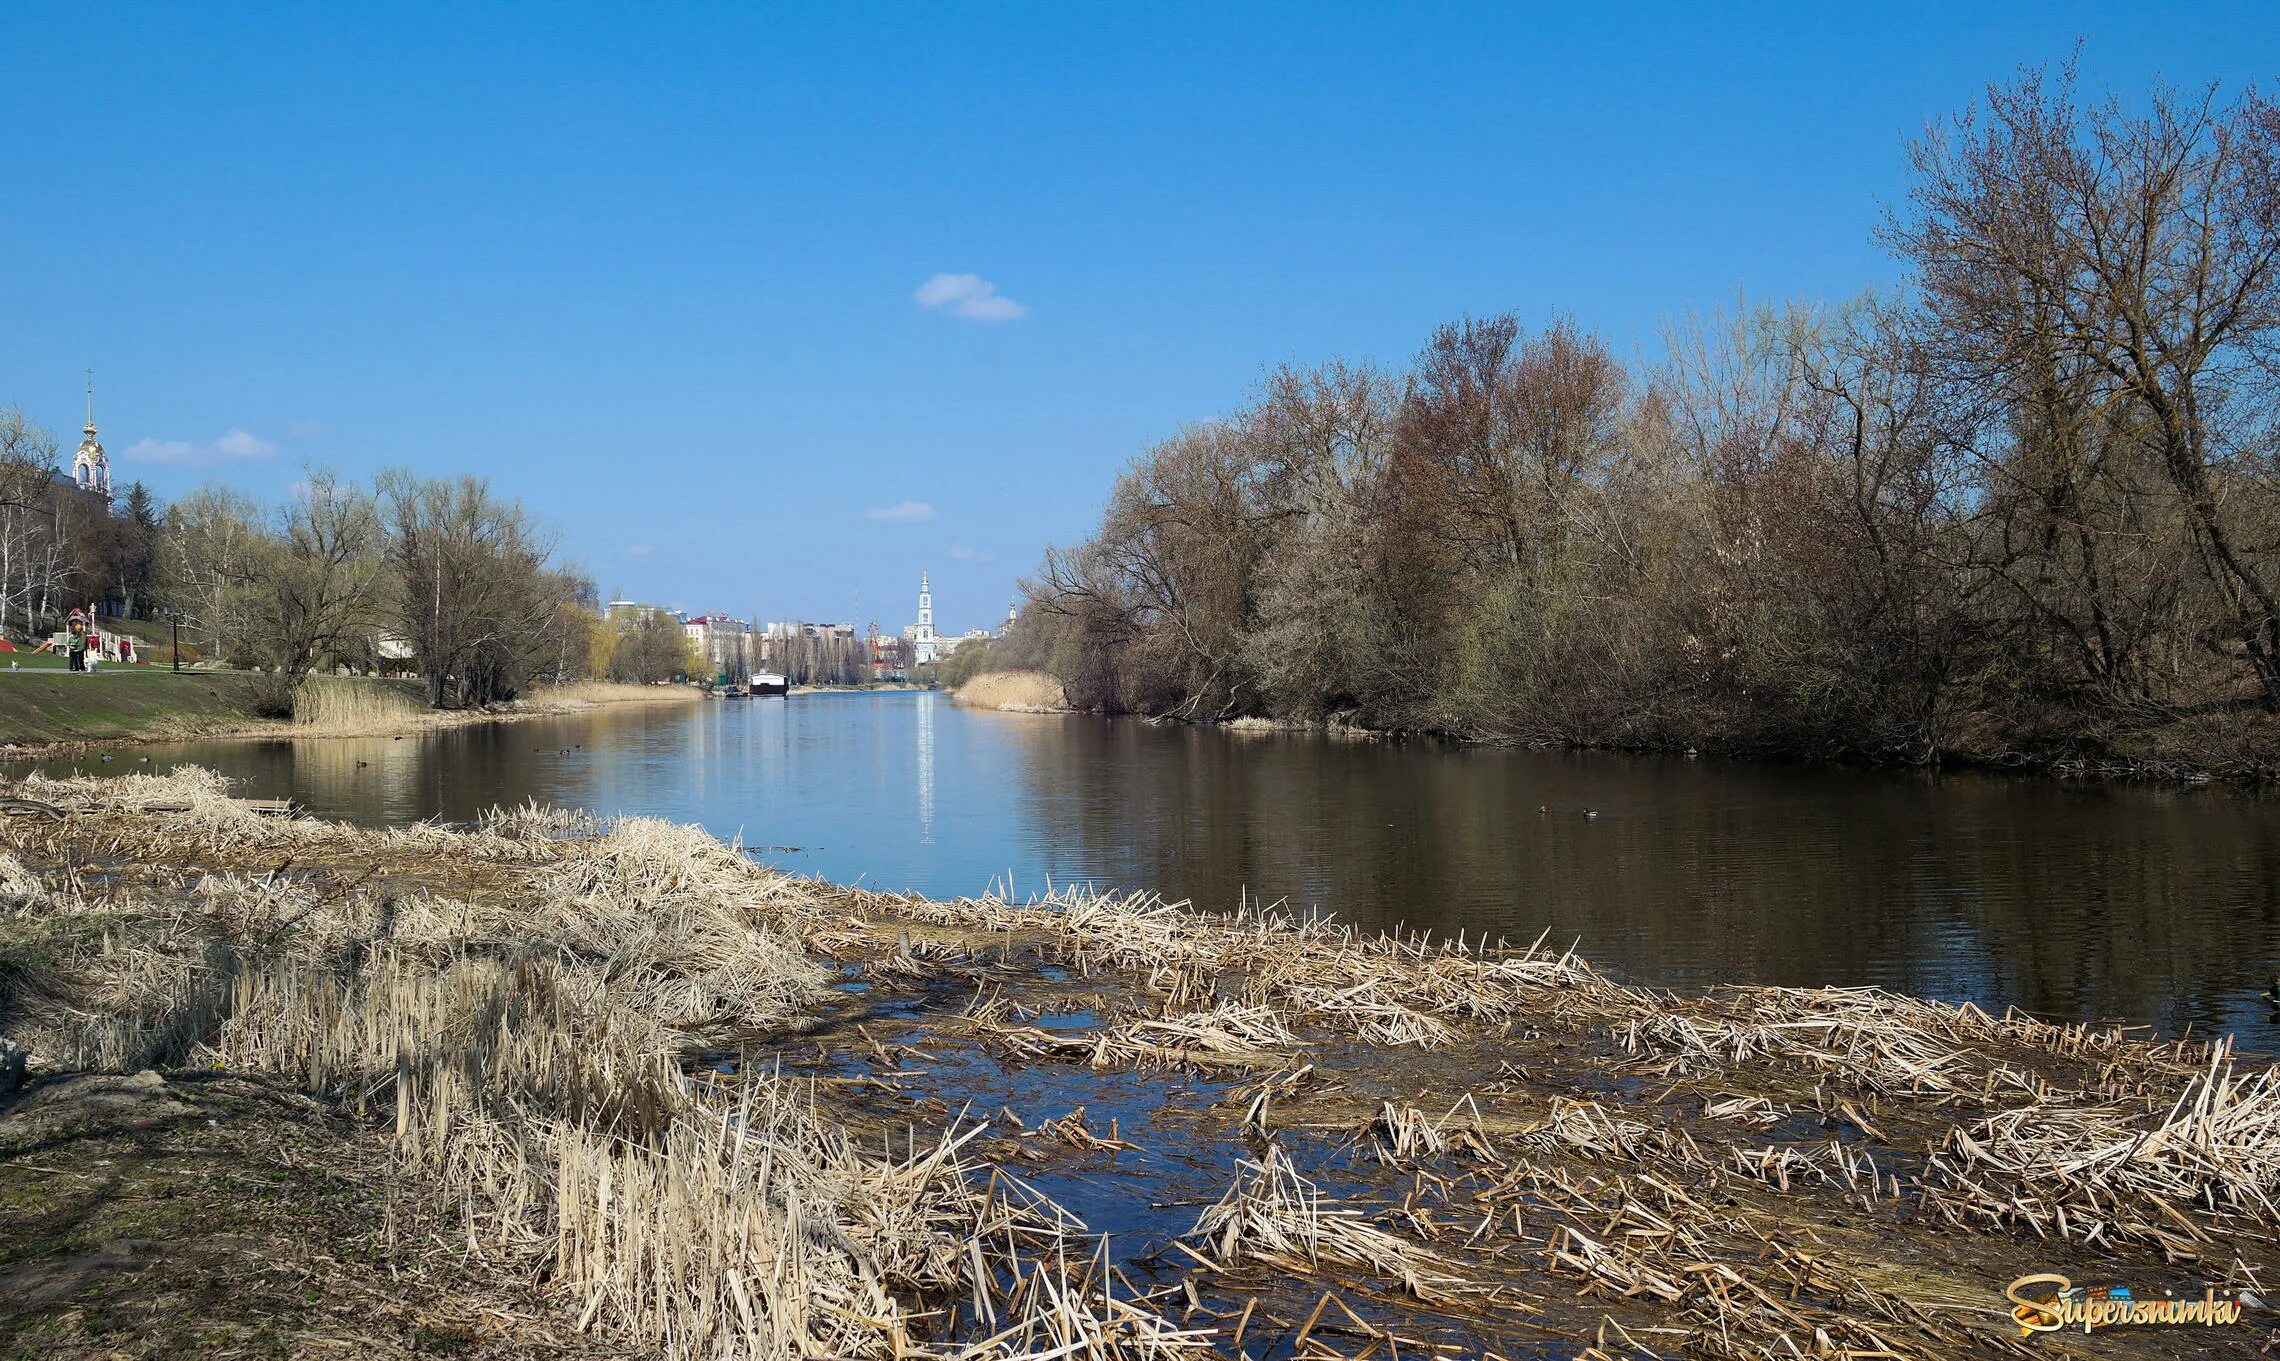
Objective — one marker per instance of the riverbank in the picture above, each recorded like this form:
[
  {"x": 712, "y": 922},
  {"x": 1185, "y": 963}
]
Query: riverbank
[
  {"x": 1302, "y": 1141},
  {"x": 2192, "y": 751},
  {"x": 48, "y": 711}
]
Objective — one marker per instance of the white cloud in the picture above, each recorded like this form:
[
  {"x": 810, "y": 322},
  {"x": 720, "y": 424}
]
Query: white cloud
[
  {"x": 239, "y": 444},
  {"x": 905, "y": 512},
  {"x": 965, "y": 554},
  {"x": 970, "y": 296},
  {"x": 160, "y": 451},
  {"x": 236, "y": 446}
]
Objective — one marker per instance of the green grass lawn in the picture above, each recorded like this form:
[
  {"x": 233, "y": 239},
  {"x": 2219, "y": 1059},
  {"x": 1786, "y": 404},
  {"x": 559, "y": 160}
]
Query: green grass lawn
[
  {"x": 48, "y": 661},
  {"x": 40, "y": 701}
]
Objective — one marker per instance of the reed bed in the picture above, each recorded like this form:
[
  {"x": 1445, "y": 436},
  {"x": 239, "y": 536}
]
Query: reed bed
[
  {"x": 1381, "y": 989},
  {"x": 518, "y": 1003},
  {"x": 355, "y": 705},
  {"x": 1731, "y": 1283},
  {"x": 20, "y": 889},
  {"x": 2123, "y": 1170},
  {"x": 1403, "y": 1135},
  {"x": 1589, "y": 1129},
  {"x": 1274, "y": 1214},
  {"x": 1230, "y": 1034},
  {"x": 1059, "y": 1310},
  {"x": 690, "y": 1225},
  {"x": 543, "y": 821}
]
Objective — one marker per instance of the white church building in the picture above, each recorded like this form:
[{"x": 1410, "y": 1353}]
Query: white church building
[
  {"x": 90, "y": 469},
  {"x": 928, "y": 646},
  {"x": 923, "y": 644}
]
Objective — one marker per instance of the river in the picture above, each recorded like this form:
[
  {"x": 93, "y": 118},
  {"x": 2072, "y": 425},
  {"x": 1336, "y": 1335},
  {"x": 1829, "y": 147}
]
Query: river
[{"x": 2073, "y": 900}]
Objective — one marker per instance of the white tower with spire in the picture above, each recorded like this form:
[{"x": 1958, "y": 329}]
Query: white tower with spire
[
  {"x": 921, "y": 634},
  {"x": 90, "y": 470}
]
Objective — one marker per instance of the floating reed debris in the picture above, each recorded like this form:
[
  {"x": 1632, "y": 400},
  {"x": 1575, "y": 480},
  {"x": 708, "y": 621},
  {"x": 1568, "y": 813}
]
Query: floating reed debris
[
  {"x": 543, "y": 821},
  {"x": 1403, "y": 1134},
  {"x": 1273, "y": 1214},
  {"x": 1059, "y": 1311},
  {"x": 2092, "y": 1171},
  {"x": 1590, "y": 1129},
  {"x": 1230, "y": 1034},
  {"x": 1071, "y": 1129}
]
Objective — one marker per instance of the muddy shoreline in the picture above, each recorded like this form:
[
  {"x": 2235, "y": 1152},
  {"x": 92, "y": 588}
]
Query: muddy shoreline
[
  {"x": 1104, "y": 1123},
  {"x": 2057, "y": 764}
]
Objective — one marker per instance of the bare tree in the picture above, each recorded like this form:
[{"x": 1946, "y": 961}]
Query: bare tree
[
  {"x": 320, "y": 577},
  {"x": 30, "y": 522},
  {"x": 210, "y": 550},
  {"x": 475, "y": 594},
  {"x": 2133, "y": 259}
]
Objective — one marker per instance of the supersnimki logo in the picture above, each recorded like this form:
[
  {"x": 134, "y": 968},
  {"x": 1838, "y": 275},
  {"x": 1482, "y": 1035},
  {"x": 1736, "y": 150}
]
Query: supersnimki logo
[{"x": 2047, "y": 1302}]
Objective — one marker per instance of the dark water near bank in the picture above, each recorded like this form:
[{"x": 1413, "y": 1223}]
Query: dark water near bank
[{"x": 2142, "y": 904}]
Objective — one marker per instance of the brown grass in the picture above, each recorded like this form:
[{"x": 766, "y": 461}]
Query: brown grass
[
  {"x": 1013, "y": 692},
  {"x": 581, "y": 694},
  {"x": 1741, "y": 1173},
  {"x": 356, "y": 706}
]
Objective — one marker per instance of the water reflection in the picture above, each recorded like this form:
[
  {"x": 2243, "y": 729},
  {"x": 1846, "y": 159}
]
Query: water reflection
[
  {"x": 926, "y": 703},
  {"x": 2145, "y": 904}
]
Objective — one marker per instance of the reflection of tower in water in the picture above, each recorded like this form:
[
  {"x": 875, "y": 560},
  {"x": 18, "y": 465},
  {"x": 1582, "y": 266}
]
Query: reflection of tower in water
[{"x": 926, "y": 767}]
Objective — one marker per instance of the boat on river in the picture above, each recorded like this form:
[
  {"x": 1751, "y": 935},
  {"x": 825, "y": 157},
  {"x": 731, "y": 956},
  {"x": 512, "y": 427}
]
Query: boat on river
[{"x": 769, "y": 683}]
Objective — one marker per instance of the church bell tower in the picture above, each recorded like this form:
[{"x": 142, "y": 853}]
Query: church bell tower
[{"x": 90, "y": 470}]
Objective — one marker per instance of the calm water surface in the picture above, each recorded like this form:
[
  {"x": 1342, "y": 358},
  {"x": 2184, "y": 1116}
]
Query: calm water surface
[{"x": 2150, "y": 905}]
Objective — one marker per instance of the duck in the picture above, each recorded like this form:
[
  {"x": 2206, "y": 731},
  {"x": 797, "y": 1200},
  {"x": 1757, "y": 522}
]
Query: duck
[
  {"x": 1591, "y": 812},
  {"x": 1543, "y": 808},
  {"x": 2272, "y": 994}
]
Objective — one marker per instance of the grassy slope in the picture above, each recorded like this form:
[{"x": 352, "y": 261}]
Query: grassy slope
[{"x": 45, "y": 703}]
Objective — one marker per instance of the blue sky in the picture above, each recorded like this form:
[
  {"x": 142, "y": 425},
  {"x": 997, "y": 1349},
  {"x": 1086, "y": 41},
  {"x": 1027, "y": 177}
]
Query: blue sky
[{"x": 658, "y": 270}]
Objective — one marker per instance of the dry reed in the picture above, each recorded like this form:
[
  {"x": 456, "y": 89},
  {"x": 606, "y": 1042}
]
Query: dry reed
[
  {"x": 1273, "y": 1214},
  {"x": 516, "y": 1000}
]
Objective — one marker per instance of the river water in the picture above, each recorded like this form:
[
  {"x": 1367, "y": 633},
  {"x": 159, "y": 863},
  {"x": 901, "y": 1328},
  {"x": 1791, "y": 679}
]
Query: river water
[{"x": 2151, "y": 905}]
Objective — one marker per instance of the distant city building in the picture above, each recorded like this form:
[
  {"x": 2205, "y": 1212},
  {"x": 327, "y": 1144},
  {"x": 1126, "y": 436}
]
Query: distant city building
[
  {"x": 798, "y": 628},
  {"x": 921, "y": 634},
  {"x": 946, "y": 648},
  {"x": 890, "y": 658},
  {"x": 726, "y": 643},
  {"x": 616, "y": 608}
]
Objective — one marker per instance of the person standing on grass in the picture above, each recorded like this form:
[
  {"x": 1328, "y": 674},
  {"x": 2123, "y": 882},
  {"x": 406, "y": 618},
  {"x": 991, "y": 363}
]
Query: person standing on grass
[{"x": 76, "y": 647}]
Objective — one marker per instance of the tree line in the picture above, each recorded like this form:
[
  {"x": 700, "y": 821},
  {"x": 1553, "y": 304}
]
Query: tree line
[
  {"x": 2026, "y": 506},
  {"x": 58, "y": 544},
  {"x": 438, "y": 577},
  {"x": 805, "y": 656}
]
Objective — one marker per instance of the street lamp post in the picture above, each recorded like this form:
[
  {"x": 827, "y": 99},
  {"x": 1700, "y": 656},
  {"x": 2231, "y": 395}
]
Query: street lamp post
[{"x": 176, "y": 620}]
